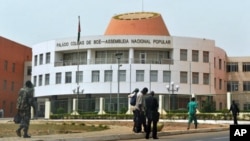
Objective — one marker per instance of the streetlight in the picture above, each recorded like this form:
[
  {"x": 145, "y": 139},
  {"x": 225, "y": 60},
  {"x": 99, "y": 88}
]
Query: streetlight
[
  {"x": 77, "y": 92},
  {"x": 173, "y": 88},
  {"x": 118, "y": 57}
]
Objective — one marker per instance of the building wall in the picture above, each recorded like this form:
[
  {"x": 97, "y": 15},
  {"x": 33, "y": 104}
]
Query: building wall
[
  {"x": 11, "y": 80},
  {"x": 99, "y": 43}
]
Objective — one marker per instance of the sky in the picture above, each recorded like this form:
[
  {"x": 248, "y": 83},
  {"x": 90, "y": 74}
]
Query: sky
[{"x": 29, "y": 22}]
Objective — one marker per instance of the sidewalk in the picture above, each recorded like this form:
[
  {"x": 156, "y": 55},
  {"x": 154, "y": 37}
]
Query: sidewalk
[{"x": 118, "y": 133}]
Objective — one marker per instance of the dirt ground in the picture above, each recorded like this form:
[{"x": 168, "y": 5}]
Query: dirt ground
[
  {"x": 59, "y": 127},
  {"x": 168, "y": 126}
]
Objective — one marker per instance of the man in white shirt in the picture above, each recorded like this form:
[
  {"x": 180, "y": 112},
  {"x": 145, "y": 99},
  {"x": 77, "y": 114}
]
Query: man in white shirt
[{"x": 140, "y": 119}]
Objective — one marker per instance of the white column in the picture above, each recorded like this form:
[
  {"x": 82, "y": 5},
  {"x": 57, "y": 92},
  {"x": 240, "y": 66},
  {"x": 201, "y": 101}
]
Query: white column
[
  {"x": 101, "y": 111},
  {"x": 161, "y": 110},
  {"x": 130, "y": 108},
  {"x": 131, "y": 56},
  {"x": 47, "y": 109},
  {"x": 228, "y": 100},
  {"x": 32, "y": 113},
  {"x": 89, "y": 56},
  {"x": 75, "y": 108}
]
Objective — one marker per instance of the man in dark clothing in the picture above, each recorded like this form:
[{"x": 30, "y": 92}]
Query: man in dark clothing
[
  {"x": 235, "y": 111},
  {"x": 152, "y": 114},
  {"x": 24, "y": 109}
]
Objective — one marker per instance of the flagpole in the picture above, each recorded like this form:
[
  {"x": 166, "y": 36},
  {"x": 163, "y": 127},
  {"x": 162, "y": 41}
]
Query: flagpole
[{"x": 78, "y": 63}]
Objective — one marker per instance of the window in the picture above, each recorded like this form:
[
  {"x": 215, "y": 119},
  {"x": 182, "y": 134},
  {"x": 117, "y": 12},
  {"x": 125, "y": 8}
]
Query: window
[
  {"x": 246, "y": 66},
  {"x": 122, "y": 74},
  {"x": 35, "y": 61},
  {"x": 220, "y": 64},
  {"x": 34, "y": 81},
  {"x": 29, "y": 70},
  {"x": 79, "y": 76},
  {"x": 214, "y": 62},
  {"x": 4, "y": 84},
  {"x": 41, "y": 59},
  {"x": 215, "y": 83},
  {"x": 68, "y": 77},
  {"x": 139, "y": 75},
  {"x": 12, "y": 86},
  {"x": 205, "y": 56},
  {"x": 183, "y": 55},
  {"x": 153, "y": 76},
  {"x": 232, "y": 86},
  {"x": 166, "y": 76},
  {"x": 205, "y": 78},
  {"x": 95, "y": 76},
  {"x": 220, "y": 84},
  {"x": 142, "y": 58},
  {"x": 40, "y": 80},
  {"x": 47, "y": 58},
  {"x": 232, "y": 67},
  {"x": 195, "y": 78},
  {"x": 13, "y": 67},
  {"x": 5, "y": 65},
  {"x": 246, "y": 86},
  {"x": 47, "y": 79},
  {"x": 183, "y": 77},
  {"x": 246, "y": 106},
  {"x": 195, "y": 55},
  {"x": 58, "y": 78},
  {"x": 108, "y": 75}
]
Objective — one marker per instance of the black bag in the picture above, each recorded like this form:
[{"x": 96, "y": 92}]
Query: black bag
[
  {"x": 17, "y": 118},
  {"x": 133, "y": 99}
]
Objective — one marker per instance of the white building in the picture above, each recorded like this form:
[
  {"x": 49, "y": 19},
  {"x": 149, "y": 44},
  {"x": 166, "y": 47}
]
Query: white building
[{"x": 150, "y": 58}]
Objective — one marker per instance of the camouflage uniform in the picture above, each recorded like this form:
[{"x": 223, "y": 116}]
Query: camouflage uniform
[{"x": 26, "y": 112}]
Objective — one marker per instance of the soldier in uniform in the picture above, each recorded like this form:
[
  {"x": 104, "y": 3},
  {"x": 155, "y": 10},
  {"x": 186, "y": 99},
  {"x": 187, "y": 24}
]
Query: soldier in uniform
[{"x": 24, "y": 108}]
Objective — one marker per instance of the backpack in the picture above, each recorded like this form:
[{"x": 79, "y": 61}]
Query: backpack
[
  {"x": 23, "y": 100},
  {"x": 133, "y": 99}
]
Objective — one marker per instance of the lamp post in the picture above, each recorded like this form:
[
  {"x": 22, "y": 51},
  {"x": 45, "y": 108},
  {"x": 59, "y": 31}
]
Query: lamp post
[
  {"x": 173, "y": 88},
  {"x": 77, "y": 92},
  {"x": 118, "y": 56}
]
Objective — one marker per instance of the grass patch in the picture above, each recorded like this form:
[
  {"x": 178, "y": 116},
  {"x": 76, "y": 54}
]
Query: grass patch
[{"x": 49, "y": 128}]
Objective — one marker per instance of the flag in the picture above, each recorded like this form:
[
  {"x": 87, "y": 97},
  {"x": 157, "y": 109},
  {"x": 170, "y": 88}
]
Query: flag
[{"x": 79, "y": 30}]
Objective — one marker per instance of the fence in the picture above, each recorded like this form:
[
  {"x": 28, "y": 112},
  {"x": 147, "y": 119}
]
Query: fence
[{"x": 169, "y": 103}]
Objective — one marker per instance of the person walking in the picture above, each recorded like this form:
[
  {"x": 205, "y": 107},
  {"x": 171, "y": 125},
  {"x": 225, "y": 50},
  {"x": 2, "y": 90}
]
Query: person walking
[
  {"x": 140, "y": 119},
  {"x": 24, "y": 103},
  {"x": 235, "y": 111},
  {"x": 152, "y": 114},
  {"x": 192, "y": 108}
]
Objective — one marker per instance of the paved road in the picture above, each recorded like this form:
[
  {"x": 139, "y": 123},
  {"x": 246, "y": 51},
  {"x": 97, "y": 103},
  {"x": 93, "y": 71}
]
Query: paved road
[{"x": 209, "y": 136}]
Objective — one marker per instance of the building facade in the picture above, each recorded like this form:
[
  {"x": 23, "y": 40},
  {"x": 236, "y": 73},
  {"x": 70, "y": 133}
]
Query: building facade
[
  {"x": 135, "y": 51},
  {"x": 15, "y": 62}
]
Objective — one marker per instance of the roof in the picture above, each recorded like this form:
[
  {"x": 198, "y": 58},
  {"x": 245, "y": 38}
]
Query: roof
[{"x": 137, "y": 23}]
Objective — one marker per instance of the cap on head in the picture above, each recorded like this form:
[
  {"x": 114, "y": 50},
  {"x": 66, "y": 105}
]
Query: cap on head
[
  {"x": 29, "y": 84},
  {"x": 136, "y": 90}
]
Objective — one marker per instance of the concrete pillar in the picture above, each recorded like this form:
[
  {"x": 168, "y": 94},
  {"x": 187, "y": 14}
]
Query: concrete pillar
[
  {"x": 47, "y": 109},
  {"x": 130, "y": 108},
  {"x": 131, "y": 56},
  {"x": 32, "y": 113},
  {"x": 161, "y": 110},
  {"x": 75, "y": 108},
  {"x": 101, "y": 111},
  {"x": 228, "y": 100}
]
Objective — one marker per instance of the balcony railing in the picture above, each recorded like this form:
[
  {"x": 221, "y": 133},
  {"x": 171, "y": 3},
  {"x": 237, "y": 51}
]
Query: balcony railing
[{"x": 114, "y": 61}]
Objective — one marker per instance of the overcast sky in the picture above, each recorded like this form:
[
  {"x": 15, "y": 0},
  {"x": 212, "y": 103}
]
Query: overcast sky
[{"x": 32, "y": 21}]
